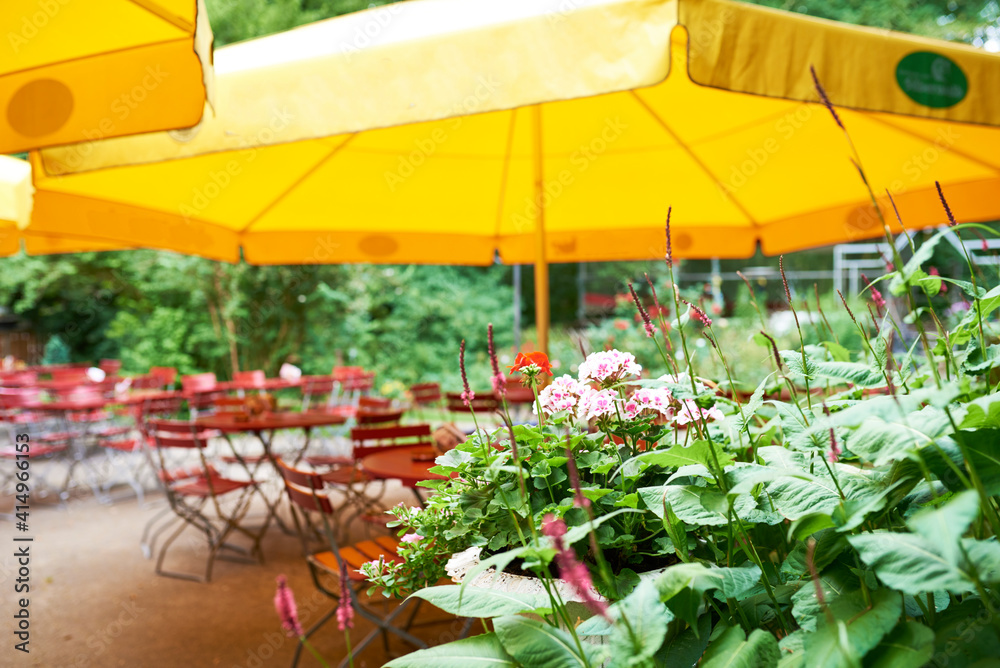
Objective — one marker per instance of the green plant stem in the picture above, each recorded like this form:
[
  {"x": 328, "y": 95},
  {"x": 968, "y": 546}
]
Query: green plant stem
[
  {"x": 732, "y": 386},
  {"x": 977, "y": 483},
  {"x": 752, "y": 553},
  {"x": 316, "y": 655}
]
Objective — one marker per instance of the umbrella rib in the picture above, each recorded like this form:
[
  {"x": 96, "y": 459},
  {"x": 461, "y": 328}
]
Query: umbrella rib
[
  {"x": 161, "y": 13},
  {"x": 506, "y": 171},
  {"x": 917, "y": 135},
  {"x": 702, "y": 165},
  {"x": 274, "y": 202}
]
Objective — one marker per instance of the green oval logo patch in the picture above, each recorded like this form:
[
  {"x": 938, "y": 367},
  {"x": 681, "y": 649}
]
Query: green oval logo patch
[{"x": 931, "y": 79}]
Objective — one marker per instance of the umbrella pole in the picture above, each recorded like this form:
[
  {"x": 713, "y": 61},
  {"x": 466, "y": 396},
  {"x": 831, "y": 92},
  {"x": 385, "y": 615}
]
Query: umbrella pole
[{"x": 541, "y": 263}]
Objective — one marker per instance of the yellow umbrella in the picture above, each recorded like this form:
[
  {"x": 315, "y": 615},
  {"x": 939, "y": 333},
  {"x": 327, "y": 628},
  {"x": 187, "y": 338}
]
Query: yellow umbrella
[
  {"x": 81, "y": 70},
  {"x": 443, "y": 131},
  {"x": 15, "y": 214}
]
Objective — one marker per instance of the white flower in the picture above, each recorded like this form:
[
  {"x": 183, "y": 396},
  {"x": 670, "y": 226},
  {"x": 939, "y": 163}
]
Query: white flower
[
  {"x": 691, "y": 412},
  {"x": 563, "y": 394},
  {"x": 608, "y": 367},
  {"x": 655, "y": 399},
  {"x": 598, "y": 404}
]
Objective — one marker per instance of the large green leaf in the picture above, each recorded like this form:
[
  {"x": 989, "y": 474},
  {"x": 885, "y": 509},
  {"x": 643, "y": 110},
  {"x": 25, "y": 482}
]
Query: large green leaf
[
  {"x": 909, "y": 645},
  {"x": 910, "y": 563},
  {"x": 534, "y": 643},
  {"x": 983, "y": 447},
  {"x": 860, "y": 375},
  {"x": 699, "y": 452},
  {"x": 943, "y": 526},
  {"x": 695, "y": 505},
  {"x": 482, "y": 651},
  {"x": 983, "y": 412},
  {"x": 733, "y": 649},
  {"x": 634, "y": 643},
  {"x": 794, "y": 498},
  {"x": 880, "y": 442},
  {"x": 835, "y": 582},
  {"x": 963, "y": 636},
  {"x": 682, "y": 585},
  {"x": 754, "y": 404},
  {"x": 685, "y": 649},
  {"x": 911, "y": 272},
  {"x": 856, "y": 629},
  {"x": 481, "y": 602}
]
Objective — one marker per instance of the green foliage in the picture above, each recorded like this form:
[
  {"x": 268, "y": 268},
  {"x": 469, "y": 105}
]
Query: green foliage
[{"x": 851, "y": 523}]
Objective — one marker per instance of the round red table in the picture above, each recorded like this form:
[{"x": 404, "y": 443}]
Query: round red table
[
  {"x": 233, "y": 423},
  {"x": 408, "y": 465}
]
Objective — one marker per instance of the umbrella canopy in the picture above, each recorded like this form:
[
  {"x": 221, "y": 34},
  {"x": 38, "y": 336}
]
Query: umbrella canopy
[
  {"x": 82, "y": 70},
  {"x": 444, "y": 131},
  {"x": 15, "y": 214},
  {"x": 600, "y": 115},
  {"x": 15, "y": 202}
]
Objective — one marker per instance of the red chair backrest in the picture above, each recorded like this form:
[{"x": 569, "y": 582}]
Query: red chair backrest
[
  {"x": 342, "y": 372},
  {"x": 18, "y": 397},
  {"x": 426, "y": 393},
  {"x": 362, "y": 382},
  {"x": 161, "y": 406},
  {"x": 382, "y": 417},
  {"x": 147, "y": 382},
  {"x": 374, "y": 402},
  {"x": 73, "y": 374},
  {"x": 255, "y": 377},
  {"x": 199, "y": 382},
  {"x": 375, "y": 439},
  {"x": 110, "y": 367},
  {"x": 482, "y": 403},
  {"x": 178, "y": 433},
  {"x": 317, "y": 384},
  {"x": 18, "y": 378},
  {"x": 83, "y": 393},
  {"x": 167, "y": 373},
  {"x": 299, "y": 485}
]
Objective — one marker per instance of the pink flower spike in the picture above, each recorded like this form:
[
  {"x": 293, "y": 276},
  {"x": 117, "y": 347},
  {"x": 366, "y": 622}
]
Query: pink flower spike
[
  {"x": 284, "y": 603},
  {"x": 499, "y": 381},
  {"x": 834, "y": 454},
  {"x": 571, "y": 570},
  {"x": 345, "y": 609},
  {"x": 467, "y": 395}
]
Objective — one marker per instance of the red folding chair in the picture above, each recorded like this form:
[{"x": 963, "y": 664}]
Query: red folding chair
[
  {"x": 315, "y": 388},
  {"x": 19, "y": 412},
  {"x": 481, "y": 403},
  {"x": 304, "y": 489},
  {"x": 110, "y": 367},
  {"x": 201, "y": 391},
  {"x": 167, "y": 373},
  {"x": 426, "y": 396},
  {"x": 197, "y": 497}
]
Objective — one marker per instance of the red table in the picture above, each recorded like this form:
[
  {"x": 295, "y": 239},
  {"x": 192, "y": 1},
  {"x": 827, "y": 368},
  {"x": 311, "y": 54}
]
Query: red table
[
  {"x": 263, "y": 427},
  {"x": 233, "y": 423},
  {"x": 408, "y": 465}
]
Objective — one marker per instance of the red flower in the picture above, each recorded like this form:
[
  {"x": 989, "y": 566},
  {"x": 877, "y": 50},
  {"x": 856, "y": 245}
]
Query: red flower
[
  {"x": 621, "y": 324},
  {"x": 539, "y": 359}
]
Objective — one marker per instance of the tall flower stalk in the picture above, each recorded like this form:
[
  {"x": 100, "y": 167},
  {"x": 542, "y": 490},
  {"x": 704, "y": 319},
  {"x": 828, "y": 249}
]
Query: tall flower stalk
[
  {"x": 855, "y": 159},
  {"x": 284, "y": 604},
  {"x": 802, "y": 342}
]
